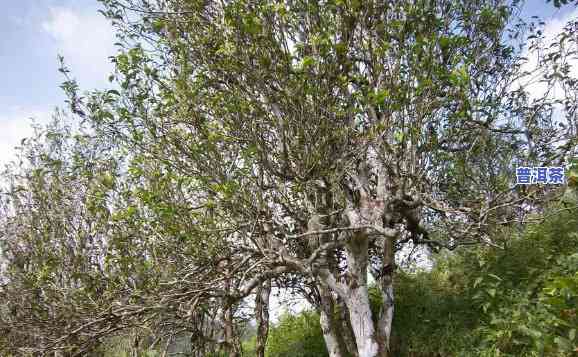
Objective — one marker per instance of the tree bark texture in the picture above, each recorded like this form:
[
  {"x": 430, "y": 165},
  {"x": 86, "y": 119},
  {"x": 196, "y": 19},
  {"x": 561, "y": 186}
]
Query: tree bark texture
[{"x": 262, "y": 317}]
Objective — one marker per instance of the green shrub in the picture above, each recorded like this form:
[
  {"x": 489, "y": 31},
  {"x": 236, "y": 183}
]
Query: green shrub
[{"x": 297, "y": 336}]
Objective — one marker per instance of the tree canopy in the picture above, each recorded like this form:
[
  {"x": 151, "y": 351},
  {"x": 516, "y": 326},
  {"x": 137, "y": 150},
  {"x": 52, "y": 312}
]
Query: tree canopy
[{"x": 259, "y": 145}]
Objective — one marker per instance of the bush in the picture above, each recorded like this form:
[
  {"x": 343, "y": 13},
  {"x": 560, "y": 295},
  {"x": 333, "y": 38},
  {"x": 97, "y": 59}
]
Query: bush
[
  {"x": 297, "y": 336},
  {"x": 528, "y": 293}
]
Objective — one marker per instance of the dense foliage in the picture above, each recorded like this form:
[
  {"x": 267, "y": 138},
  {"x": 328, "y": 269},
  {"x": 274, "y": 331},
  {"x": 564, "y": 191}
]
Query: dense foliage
[{"x": 298, "y": 336}]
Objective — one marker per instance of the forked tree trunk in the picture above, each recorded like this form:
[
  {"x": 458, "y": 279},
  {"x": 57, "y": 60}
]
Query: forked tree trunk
[{"x": 371, "y": 339}]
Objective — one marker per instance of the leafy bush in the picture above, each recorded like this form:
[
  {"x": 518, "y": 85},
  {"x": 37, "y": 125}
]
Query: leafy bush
[
  {"x": 432, "y": 317},
  {"x": 527, "y": 294},
  {"x": 297, "y": 336}
]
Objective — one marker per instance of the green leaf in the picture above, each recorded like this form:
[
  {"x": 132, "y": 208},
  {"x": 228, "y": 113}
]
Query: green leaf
[
  {"x": 444, "y": 42},
  {"x": 381, "y": 96},
  {"x": 307, "y": 62},
  {"x": 564, "y": 343},
  {"x": 495, "y": 277},
  {"x": 158, "y": 25},
  {"x": 478, "y": 281}
]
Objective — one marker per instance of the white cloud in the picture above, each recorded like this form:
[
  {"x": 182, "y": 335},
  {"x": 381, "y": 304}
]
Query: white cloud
[
  {"x": 15, "y": 125},
  {"x": 85, "y": 39}
]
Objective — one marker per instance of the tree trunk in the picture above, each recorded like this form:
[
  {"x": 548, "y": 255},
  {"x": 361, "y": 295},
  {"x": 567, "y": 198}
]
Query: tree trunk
[
  {"x": 329, "y": 335},
  {"x": 387, "y": 292},
  {"x": 232, "y": 343},
  {"x": 386, "y": 316},
  {"x": 371, "y": 339},
  {"x": 346, "y": 331},
  {"x": 361, "y": 322},
  {"x": 334, "y": 341},
  {"x": 262, "y": 317},
  {"x": 357, "y": 297},
  {"x": 135, "y": 345}
]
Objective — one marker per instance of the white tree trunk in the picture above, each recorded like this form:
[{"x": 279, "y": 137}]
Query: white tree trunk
[
  {"x": 329, "y": 335},
  {"x": 371, "y": 339},
  {"x": 357, "y": 297},
  {"x": 361, "y": 322}
]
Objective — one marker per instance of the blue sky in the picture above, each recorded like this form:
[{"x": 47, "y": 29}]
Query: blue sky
[{"x": 33, "y": 32}]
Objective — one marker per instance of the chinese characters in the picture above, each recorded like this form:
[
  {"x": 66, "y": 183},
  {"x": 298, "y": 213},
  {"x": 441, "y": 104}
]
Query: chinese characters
[{"x": 539, "y": 175}]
